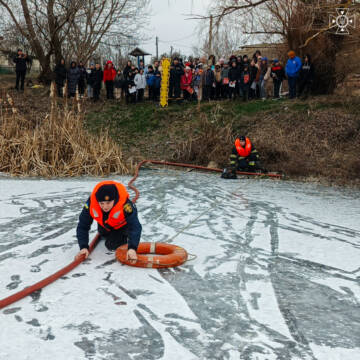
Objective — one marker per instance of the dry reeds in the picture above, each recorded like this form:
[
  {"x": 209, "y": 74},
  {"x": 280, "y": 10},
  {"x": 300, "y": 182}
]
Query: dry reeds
[
  {"x": 208, "y": 142},
  {"x": 58, "y": 146}
]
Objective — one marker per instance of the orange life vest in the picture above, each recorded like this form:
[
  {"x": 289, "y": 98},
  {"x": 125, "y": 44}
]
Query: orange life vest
[
  {"x": 243, "y": 152},
  {"x": 116, "y": 217}
]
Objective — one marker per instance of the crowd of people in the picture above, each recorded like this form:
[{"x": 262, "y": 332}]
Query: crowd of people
[{"x": 239, "y": 77}]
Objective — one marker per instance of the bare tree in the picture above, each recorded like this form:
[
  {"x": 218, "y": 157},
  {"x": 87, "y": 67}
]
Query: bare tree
[
  {"x": 110, "y": 23},
  {"x": 78, "y": 26},
  {"x": 43, "y": 24}
]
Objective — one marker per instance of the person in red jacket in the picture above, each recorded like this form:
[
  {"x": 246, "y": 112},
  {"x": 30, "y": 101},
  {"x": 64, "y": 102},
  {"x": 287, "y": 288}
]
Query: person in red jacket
[
  {"x": 185, "y": 83},
  {"x": 109, "y": 77}
]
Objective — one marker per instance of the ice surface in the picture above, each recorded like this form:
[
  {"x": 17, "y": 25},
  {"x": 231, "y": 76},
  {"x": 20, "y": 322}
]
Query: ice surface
[{"x": 276, "y": 275}]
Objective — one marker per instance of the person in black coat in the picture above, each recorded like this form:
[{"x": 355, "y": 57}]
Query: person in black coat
[
  {"x": 20, "y": 60},
  {"x": 96, "y": 77},
  {"x": 234, "y": 79},
  {"x": 73, "y": 76},
  {"x": 176, "y": 71},
  {"x": 306, "y": 78},
  {"x": 278, "y": 75},
  {"x": 253, "y": 72},
  {"x": 60, "y": 77},
  {"x": 82, "y": 78},
  {"x": 209, "y": 81}
]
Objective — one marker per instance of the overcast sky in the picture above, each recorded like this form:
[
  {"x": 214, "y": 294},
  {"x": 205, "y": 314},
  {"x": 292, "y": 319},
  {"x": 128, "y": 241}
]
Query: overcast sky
[{"x": 168, "y": 22}]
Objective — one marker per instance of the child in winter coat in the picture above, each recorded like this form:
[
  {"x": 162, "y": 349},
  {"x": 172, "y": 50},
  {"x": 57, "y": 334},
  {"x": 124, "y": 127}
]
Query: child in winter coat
[
  {"x": 185, "y": 84},
  {"x": 245, "y": 82},
  {"x": 131, "y": 88},
  {"x": 140, "y": 83},
  {"x": 197, "y": 79},
  {"x": 96, "y": 77},
  {"x": 118, "y": 84},
  {"x": 60, "y": 77},
  {"x": 90, "y": 92},
  {"x": 278, "y": 75},
  {"x": 264, "y": 77},
  {"x": 109, "y": 77},
  {"x": 82, "y": 78},
  {"x": 73, "y": 76},
  {"x": 225, "y": 81},
  {"x": 217, "y": 73},
  {"x": 209, "y": 80},
  {"x": 157, "y": 84},
  {"x": 150, "y": 79},
  {"x": 306, "y": 76},
  {"x": 234, "y": 80}
]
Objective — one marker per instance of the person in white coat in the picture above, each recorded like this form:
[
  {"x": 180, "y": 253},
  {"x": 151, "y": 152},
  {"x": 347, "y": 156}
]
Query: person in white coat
[{"x": 140, "y": 83}]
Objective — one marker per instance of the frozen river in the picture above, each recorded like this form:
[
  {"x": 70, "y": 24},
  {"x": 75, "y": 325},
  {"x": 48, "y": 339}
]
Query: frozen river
[{"x": 276, "y": 275}]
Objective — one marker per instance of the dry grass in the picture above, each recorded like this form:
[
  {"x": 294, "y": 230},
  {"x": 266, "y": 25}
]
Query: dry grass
[
  {"x": 56, "y": 146},
  {"x": 209, "y": 141}
]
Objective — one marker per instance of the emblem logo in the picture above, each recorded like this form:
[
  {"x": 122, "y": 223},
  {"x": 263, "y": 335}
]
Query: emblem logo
[{"x": 342, "y": 21}]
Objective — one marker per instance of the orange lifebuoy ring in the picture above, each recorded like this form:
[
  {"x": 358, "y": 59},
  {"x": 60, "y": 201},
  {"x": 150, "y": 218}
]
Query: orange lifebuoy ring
[{"x": 154, "y": 255}]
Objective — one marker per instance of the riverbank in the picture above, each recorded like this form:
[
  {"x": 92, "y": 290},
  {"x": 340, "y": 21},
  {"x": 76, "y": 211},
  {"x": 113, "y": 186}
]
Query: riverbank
[{"x": 316, "y": 140}]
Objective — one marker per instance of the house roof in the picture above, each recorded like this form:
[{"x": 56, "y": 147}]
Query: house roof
[{"x": 138, "y": 52}]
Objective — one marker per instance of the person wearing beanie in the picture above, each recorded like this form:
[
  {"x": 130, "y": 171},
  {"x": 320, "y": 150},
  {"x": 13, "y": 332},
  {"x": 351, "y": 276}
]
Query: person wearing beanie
[
  {"x": 244, "y": 157},
  {"x": 292, "y": 69},
  {"x": 110, "y": 206}
]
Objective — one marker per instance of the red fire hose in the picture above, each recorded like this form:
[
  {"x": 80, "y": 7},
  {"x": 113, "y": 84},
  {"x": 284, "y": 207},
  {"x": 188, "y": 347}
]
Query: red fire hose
[{"x": 41, "y": 284}]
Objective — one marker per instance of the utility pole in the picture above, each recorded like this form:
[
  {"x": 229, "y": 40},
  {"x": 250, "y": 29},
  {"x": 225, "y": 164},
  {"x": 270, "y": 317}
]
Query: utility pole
[
  {"x": 171, "y": 50},
  {"x": 157, "y": 48},
  {"x": 210, "y": 34}
]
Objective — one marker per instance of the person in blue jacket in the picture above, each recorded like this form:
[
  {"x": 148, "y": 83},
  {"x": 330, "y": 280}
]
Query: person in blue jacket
[
  {"x": 110, "y": 206},
  {"x": 292, "y": 69}
]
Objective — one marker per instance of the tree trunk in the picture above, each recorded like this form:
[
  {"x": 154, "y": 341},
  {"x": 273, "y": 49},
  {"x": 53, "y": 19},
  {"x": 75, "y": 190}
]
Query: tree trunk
[{"x": 46, "y": 74}]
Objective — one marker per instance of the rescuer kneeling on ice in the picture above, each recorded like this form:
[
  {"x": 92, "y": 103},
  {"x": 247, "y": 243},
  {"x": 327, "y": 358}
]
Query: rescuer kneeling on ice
[
  {"x": 110, "y": 205},
  {"x": 244, "y": 157}
]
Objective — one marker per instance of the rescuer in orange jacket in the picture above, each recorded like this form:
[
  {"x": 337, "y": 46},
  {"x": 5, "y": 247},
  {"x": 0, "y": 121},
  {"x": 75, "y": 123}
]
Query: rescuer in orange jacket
[
  {"x": 110, "y": 206},
  {"x": 244, "y": 157}
]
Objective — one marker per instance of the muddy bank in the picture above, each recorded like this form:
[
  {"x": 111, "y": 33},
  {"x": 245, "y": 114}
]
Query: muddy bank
[{"x": 313, "y": 140}]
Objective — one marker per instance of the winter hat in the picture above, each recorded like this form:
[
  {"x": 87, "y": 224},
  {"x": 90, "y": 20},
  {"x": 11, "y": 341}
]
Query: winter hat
[
  {"x": 264, "y": 58},
  {"x": 275, "y": 61},
  {"x": 187, "y": 68},
  {"x": 106, "y": 193},
  {"x": 222, "y": 60},
  {"x": 291, "y": 54},
  {"x": 92, "y": 64}
]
